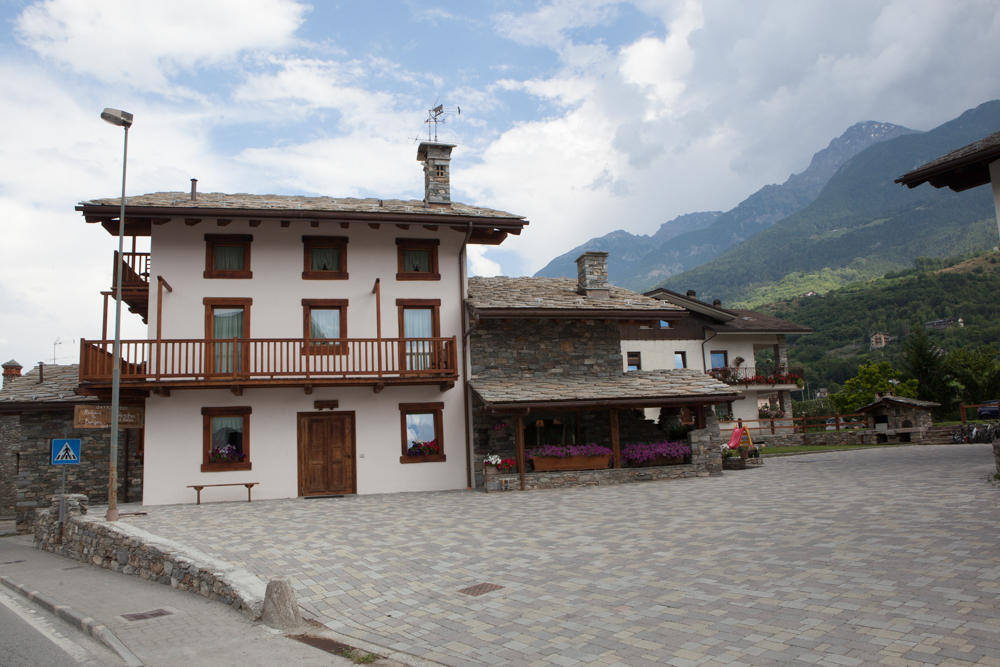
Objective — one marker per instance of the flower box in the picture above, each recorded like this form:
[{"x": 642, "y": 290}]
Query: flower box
[
  {"x": 555, "y": 463},
  {"x": 658, "y": 461},
  {"x": 734, "y": 463}
]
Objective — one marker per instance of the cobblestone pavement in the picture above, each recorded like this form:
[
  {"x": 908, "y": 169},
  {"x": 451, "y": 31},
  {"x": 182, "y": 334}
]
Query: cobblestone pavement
[{"x": 881, "y": 555}]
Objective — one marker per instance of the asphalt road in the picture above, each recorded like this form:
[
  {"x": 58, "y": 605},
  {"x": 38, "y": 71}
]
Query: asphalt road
[{"x": 30, "y": 637}]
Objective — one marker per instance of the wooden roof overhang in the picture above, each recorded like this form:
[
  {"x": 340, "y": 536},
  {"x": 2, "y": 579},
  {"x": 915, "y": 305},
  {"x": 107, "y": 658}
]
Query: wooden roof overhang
[
  {"x": 962, "y": 169},
  {"x": 139, "y": 220},
  {"x": 608, "y": 402}
]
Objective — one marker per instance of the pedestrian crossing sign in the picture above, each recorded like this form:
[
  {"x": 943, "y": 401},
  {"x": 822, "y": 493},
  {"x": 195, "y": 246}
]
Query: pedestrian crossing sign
[{"x": 65, "y": 451}]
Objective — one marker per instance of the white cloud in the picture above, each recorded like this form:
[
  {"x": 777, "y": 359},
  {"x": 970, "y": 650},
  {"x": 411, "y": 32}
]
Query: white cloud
[
  {"x": 479, "y": 264},
  {"x": 144, "y": 44}
]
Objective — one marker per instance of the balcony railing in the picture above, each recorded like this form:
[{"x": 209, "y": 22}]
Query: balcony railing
[
  {"x": 261, "y": 361},
  {"x": 135, "y": 270},
  {"x": 747, "y": 375}
]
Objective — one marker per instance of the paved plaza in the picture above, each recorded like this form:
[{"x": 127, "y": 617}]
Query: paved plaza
[{"x": 882, "y": 555}]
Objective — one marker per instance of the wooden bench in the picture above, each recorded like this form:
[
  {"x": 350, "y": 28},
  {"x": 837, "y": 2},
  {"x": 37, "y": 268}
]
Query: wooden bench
[{"x": 199, "y": 487}]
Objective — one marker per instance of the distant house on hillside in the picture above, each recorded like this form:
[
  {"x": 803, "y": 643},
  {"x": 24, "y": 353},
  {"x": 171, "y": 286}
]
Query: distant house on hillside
[
  {"x": 879, "y": 340},
  {"x": 946, "y": 323}
]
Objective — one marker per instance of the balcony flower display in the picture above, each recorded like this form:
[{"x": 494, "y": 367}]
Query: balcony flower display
[{"x": 655, "y": 453}]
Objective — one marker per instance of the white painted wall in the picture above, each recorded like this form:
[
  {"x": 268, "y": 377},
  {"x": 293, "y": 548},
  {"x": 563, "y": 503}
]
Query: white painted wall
[{"x": 173, "y": 437}]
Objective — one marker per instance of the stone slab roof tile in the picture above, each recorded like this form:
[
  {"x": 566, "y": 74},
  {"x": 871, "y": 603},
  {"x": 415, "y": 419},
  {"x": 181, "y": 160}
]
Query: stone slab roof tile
[
  {"x": 243, "y": 201},
  {"x": 58, "y": 386},
  {"x": 502, "y": 292},
  {"x": 679, "y": 383}
]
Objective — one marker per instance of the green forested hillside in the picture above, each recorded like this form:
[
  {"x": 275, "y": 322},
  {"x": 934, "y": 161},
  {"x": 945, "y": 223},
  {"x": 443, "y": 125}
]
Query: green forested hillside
[
  {"x": 844, "y": 319},
  {"x": 861, "y": 225}
]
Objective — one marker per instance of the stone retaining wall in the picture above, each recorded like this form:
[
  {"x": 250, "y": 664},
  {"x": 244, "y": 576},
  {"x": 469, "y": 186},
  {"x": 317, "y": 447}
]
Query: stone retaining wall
[{"x": 126, "y": 549}]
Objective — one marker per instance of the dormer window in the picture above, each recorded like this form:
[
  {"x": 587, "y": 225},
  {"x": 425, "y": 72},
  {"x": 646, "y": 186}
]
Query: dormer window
[
  {"x": 417, "y": 259},
  {"x": 227, "y": 256},
  {"x": 325, "y": 257}
]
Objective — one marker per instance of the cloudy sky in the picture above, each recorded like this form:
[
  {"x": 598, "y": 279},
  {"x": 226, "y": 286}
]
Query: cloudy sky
[{"x": 585, "y": 116}]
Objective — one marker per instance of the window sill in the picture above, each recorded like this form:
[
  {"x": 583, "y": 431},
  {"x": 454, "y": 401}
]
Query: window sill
[
  {"x": 418, "y": 276},
  {"x": 227, "y": 274},
  {"x": 325, "y": 275},
  {"x": 436, "y": 458},
  {"x": 223, "y": 467}
]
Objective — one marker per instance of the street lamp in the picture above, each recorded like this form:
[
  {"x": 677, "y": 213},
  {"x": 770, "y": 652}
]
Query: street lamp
[{"x": 122, "y": 119}]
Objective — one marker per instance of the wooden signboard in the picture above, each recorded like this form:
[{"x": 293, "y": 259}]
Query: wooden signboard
[{"x": 99, "y": 416}]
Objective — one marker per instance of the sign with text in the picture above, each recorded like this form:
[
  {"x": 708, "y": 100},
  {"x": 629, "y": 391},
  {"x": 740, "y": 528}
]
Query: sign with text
[
  {"x": 65, "y": 451},
  {"x": 99, "y": 416}
]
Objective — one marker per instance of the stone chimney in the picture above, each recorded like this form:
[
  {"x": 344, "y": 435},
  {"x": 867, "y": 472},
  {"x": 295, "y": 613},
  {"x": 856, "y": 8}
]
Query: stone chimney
[
  {"x": 437, "y": 179},
  {"x": 592, "y": 274},
  {"x": 11, "y": 370}
]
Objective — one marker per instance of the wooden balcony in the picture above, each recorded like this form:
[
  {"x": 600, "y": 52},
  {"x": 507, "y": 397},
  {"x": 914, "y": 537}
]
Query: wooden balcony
[
  {"x": 238, "y": 363},
  {"x": 135, "y": 282},
  {"x": 751, "y": 376}
]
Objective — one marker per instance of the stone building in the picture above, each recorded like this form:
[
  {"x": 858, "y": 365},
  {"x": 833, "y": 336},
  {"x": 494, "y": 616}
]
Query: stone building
[
  {"x": 37, "y": 407},
  {"x": 547, "y": 368},
  {"x": 897, "y": 416}
]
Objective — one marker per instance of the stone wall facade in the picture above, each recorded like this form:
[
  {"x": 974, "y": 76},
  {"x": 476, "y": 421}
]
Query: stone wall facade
[
  {"x": 10, "y": 432},
  {"x": 545, "y": 348},
  {"x": 111, "y": 547},
  {"x": 28, "y": 476}
]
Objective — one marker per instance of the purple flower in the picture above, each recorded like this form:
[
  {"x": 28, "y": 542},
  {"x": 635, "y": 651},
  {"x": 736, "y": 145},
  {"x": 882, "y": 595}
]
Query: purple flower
[
  {"x": 562, "y": 451},
  {"x": 641, "y": 452}
]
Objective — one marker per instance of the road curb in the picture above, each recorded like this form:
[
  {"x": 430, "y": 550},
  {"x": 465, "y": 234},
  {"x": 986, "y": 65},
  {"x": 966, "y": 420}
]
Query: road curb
[{"x": 78, "y": 620}]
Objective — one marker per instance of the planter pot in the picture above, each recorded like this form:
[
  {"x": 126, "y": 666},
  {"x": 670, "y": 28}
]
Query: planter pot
[
  {"x": 658, "y": 461},
  {"x": 734, "y": 463},
  {"x": 554, "y": 463}
]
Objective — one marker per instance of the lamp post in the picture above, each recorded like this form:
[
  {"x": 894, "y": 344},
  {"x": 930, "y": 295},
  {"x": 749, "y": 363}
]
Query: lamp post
[{"x": 122, "y": 119}]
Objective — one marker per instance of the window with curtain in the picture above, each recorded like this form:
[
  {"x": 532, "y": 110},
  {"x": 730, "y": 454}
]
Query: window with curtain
[
  {"x": 227, "y": 256},
  {"x": 418, "y": 323},
  {"x": 227, "y": 323},
  {"x": 226, "y": 433},
  {"x": 421, "y": 432},
  {"x": 324, "y": 319},
  {"x": 325, "y": 258},
  {"x": 417, "y": 259}
]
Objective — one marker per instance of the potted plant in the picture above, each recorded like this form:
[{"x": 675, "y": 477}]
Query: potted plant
[
  {"x": 641, "y": 454},
  {"x": 569, "y": 457}
]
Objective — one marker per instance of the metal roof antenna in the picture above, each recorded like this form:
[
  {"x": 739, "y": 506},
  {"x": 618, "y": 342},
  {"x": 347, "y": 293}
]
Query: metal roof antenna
[{"x": 435, "y": 116}]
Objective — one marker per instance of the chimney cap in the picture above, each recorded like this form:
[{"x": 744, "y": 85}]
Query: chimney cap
[
  {"x": 12, "y": 364},
  {"x": 425, "y": 146}
]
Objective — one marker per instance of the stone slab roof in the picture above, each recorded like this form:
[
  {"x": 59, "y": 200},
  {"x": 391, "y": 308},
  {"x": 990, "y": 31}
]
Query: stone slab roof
[
  {"x": 900, "y": 400},
  {"x": 250, "y": 202},
  {"x": 58, "y": 386},
  {"x": 503, "y": 293},
  {"x": 748, "y": 321},
  {"x": 661, "y": 385},
  {"x": 961, "y": 169}
]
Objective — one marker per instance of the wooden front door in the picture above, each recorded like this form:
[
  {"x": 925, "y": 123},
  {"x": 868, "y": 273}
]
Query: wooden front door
[{"x": 326, "y": 453}]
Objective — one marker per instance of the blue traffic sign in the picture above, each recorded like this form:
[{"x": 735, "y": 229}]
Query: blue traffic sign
[{"x": 65, "y": 451}]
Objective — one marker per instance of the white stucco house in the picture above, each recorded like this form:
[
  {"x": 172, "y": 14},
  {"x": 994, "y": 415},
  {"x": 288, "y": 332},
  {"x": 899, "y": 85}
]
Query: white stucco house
[
  {"x": 723, "y": 343},
  {"x": 311, "y": 344}
]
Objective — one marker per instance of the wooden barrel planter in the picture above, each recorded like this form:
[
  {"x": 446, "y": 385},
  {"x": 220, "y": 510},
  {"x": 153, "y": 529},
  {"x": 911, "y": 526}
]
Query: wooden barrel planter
[{"x": 557, "y": 463}]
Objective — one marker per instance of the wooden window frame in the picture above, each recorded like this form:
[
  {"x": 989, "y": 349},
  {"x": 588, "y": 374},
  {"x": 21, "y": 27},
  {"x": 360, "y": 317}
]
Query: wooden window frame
[
  {"x": 211, "y": 302},
  {"x": 309, "y": 243},
  {"x": 211, "y": 240},
  {"x": 430, "y": 245},
  {"x": 629, "y": 364},
  {"x": 232, "y": 411},
  {"x": 434, "y": 305},
  {"x": 725, "y": 358},
  {"x": 325, "y": 304},
  {"x": 437, "y": 409},
  {"x": 684, "y": 358}
]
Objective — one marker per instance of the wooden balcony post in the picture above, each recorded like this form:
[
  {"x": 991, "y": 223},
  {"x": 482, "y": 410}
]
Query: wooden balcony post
[
  {"x": 377, "y": 290},
  {"x": 519, "y": 446},
  {"x": 616, "y": 445}
]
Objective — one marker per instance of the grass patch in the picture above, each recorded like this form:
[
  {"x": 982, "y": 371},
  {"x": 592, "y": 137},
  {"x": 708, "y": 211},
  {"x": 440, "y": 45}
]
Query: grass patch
[{"x": 809, "y": 449}]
